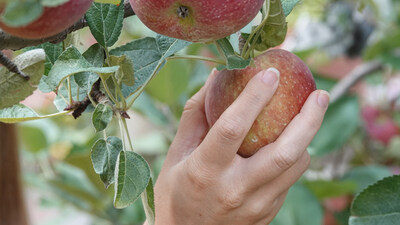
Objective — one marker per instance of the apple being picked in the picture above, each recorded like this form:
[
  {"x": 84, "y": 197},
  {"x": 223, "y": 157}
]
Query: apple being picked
[
  {"x": 295, "y": 85},
  {"x": 52, "y": 21},
  {"x": 196, "y": 20}
]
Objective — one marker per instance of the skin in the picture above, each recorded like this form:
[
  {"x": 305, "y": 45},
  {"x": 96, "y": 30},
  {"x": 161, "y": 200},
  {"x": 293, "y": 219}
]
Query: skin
[
  {"x": 297, "y": 83},
  {"x": 205, "y": 182},
  {"x": 53, "y": 20},
  {"x": 200, "y": 20}
]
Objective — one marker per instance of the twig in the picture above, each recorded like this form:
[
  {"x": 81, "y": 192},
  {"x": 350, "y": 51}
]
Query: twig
[
  {"x": 11, "y": 66},
  {"x": 15, "y": 43},
  {"x": 353, "y": 77}
]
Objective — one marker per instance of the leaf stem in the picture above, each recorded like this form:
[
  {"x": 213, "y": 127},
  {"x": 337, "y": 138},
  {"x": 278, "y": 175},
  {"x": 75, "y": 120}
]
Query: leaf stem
[
  {"x": 71, "y": 100},
  {"x": 220, "y": 51},
  {"x": 107, "y": 89},
  {"x": 122, "y": 131},
  {"x": 140, "y": 90},
  {"x": 246, "y": 51},
  {"x": 127, "y": 132},
  {"x": 195, "y": 57}
]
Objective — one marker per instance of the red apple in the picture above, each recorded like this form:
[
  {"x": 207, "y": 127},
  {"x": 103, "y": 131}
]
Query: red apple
[
  {"x": 379, "y": 126},
  {"x": 52, "y": 21},
  {"x": 196, "y": 20},
  {"x": 295, "y": 85}
]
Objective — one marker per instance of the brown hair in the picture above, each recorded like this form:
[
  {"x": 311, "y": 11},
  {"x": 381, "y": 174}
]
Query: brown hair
[{"x": 12, "y": 208}]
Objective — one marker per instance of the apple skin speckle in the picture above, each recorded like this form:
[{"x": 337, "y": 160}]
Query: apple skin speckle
[{"x": 295, "y": 85}]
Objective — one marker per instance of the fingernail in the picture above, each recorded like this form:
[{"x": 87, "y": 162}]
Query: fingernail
[
  {"x": 323, "y": 99},
  {"x": 270, "y": 76}
]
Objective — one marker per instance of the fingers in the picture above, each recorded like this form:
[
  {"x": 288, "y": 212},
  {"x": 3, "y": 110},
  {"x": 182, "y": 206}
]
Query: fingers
[
  {"x": 274, "y": 159},
  {"x": 288, "y": 178},
  {"x": 273, "y": 209},
  {"x": 223, "y": 140},
  {"x": 193, "y": 125}
]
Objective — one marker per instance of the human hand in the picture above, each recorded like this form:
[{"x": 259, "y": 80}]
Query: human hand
[{"x": 204, "y": 181}]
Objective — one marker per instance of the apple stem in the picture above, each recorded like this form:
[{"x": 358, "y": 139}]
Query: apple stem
[
  {"x": 247, "y": 48},
  {"x": 201, "y": 58}
]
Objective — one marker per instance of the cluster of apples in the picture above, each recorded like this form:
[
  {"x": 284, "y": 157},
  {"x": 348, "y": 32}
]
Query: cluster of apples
[{"x": 205, "y": 21}]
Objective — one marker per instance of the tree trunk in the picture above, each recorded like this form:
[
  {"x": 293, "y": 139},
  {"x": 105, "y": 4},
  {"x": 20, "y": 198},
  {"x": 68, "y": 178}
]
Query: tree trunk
[{"x": 12, "y": 208}]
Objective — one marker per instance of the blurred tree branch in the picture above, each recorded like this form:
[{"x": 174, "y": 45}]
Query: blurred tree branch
[
  {"x": 343, "y": 86},
  {"x": 15, "y": 43}
]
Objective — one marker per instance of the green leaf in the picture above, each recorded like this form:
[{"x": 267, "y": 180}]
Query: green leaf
[
  {"x": 102, "y": 116},
  {"x": 14, "y": 88},
  {"x": 149, "y": 55},
  {"x": 146, "y": 105},
  {"x": 95, "y": 56},
  {"x": 21, "y": 13},
  {"x": 378, "y": 204},
  {"x": 340, "y": 122},
  {"x": 169, "y": 86},
  {"x": 72, "y": 62},
  {"x": 301, "y": 207},
  {"x": 382, "y": 47},
  {"x": 105, "y": 22},
  {"x": 366, "y": 175},
  {"x": 73, "y": 186},
  {"x": 288, "y": 6},
  {"x": 133, "y": 175},
  {"x": 53, "y": 51},
  {"x": 104, "y": 158},
  {"x": 19, "y": 113},
  {"x": 32, "y": 138},
  {"x": 328, "y": 188},
  {"x": 274, "y": 31},
  {"x": 148, "y": 202},
  {"x": 233, "y": 60},
  {"x": 125, "y": 74}
]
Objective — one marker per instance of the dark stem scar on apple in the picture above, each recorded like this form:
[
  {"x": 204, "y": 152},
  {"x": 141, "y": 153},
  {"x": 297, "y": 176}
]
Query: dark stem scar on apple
[{"x": 183, "y": 12}]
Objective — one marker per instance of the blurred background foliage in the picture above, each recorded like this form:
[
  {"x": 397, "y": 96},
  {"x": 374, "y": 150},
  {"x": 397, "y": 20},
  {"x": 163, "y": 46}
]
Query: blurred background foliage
[{"x": 358, "y": 144}]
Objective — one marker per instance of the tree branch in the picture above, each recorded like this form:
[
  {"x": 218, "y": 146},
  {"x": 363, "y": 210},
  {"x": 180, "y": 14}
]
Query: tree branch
[
  {"x": 15, "y": 43},
  {"x": 353, "y": 77}
]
